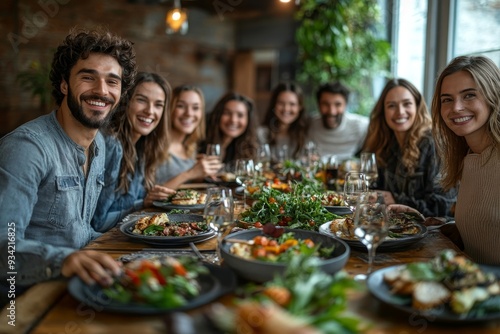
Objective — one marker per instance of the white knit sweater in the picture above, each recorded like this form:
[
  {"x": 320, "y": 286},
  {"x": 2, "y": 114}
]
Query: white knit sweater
[{"x": 477, "y": 213}]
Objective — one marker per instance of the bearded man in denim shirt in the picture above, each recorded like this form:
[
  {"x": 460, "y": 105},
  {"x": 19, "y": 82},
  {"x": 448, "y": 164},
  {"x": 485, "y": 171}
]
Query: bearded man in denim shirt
[{"x": 51, "y": 169}]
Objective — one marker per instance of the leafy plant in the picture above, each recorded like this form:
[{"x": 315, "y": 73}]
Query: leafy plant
[
  {"x": 318, "y": 298},
  {"x": 339, "y": 41},
  {"x": 36, "y": 80}
]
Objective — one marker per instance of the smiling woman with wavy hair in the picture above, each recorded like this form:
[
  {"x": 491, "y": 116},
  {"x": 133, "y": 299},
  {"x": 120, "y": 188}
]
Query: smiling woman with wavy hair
[{"x": 400, "y": 136}]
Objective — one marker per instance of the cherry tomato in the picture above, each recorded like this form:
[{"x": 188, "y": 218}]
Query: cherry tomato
[{"x": 257, "y": 224}]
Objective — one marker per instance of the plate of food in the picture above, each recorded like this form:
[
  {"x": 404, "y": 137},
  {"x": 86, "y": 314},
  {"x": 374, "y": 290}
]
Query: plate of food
[
  {"x": 448, "y": 288},
  {"x": 405, "y": 230},
  {"x": 155, "y": 286},
  {"x": 334, "y": 202},
  {"x": 185, "y": 199},
  {"x": 168, "y": 229}
]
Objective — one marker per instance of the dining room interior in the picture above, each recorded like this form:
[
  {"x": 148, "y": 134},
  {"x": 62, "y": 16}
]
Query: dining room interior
[
  {"x": 244, "y": 46},
  {"x": 250, "y": 246}
]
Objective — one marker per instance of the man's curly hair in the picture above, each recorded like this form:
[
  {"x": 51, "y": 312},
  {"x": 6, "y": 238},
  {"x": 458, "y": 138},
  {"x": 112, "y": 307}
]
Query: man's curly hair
[{"x": 79, "y": 44}]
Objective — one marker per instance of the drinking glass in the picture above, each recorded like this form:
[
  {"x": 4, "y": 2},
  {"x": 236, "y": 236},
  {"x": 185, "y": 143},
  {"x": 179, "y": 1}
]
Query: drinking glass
[
  {"x": 219, "y": 212},
  {"x": 244, "y": 170},
  {"x": 213, "y": 150},
  {"x": 354, "y": 186},
  {"x": 368, "y": 163},
  {"x": 264, "y": 158},
  {"x": 331, "y": 172},
  {"x": 371, "y": 224}
]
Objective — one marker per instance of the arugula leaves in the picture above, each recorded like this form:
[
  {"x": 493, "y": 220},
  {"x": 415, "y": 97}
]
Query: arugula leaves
[{"x": 300, "y": 209}]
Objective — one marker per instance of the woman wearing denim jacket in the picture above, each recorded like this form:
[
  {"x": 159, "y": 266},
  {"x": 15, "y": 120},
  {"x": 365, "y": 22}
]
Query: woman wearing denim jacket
[
  {"x": 400, "y": 136},
  {"x": 136, "y": 142}
]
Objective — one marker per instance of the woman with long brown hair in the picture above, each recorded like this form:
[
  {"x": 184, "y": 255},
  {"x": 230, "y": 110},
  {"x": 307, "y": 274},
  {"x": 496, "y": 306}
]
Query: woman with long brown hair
[
  {"x": 136, "y": 142},
  {"x": 400, "y": 136},
  {"x": 232, "y": 124},
  {"x": 285, "y": 121}
]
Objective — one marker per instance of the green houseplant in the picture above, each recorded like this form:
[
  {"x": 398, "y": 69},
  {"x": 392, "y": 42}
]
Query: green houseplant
[
  {"x": 36, "y": 80},
  {"x": 340, "y": 40}
]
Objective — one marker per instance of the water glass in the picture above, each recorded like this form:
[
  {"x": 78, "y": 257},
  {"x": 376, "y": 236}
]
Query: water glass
[
  {"x": 354, "y": 186},
  {"x": 371, "y": 224},
  {"x": 213, "y": 150},
  {"x": 368, "y": 166},
  {"x": 219, "y": 212}
]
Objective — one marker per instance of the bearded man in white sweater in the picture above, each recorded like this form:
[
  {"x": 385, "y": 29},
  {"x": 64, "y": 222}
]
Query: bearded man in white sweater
[{"x": 336, "y": 131}]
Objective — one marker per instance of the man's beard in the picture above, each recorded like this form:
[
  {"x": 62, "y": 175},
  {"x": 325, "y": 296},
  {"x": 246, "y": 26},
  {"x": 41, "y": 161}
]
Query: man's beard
[
  {"x": 89, "y": 122},
  {"x": 332, "y": 122}
]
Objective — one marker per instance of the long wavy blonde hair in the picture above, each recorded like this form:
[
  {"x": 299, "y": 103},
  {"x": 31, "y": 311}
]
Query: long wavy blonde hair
[
  {"x": 454, "y": 148},
  {"x": 380, "y": 137}
]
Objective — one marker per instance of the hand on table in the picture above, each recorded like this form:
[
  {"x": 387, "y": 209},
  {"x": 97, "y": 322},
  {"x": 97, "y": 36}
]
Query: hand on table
[
  {"x": 158, "y": 193},
  {"x": 91, "y": 266}
]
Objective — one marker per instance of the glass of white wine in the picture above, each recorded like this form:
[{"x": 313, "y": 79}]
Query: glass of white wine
[
  {"x": 219, "y": 213},
  {"x": 368, "y": 162},
  {"x": 354, "y": 186},
  {"x": 371, "y": 224}
]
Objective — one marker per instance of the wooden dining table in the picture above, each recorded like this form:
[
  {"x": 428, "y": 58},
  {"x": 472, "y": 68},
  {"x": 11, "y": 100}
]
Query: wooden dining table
[{"x": 48, "y": 307}]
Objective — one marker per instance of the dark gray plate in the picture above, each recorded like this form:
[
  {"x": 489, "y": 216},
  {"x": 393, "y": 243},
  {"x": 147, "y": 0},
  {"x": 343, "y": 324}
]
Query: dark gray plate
[
  {"x": 389, "y": 244},
  {"x": 170, "y": 206},
  {"x": 217, "y": 283},
  {"x": 261, "y": 271},
  {"x": 166, "y": 241},
  {"x": 339, "y": 210},
  {"x": 381, "y": 291}
]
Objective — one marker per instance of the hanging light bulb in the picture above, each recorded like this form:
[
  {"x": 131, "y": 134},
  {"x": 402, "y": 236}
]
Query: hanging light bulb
[{"x": 176, "y": 20}]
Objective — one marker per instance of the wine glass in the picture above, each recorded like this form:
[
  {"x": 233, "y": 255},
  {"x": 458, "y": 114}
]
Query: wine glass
[
  {"x": 371, "y": 224},
  {"x": 219, "y": 212},
  {"x": 368, "y": 163},
  {"x": 213, "y": 150},
  {"x": 264, "y": 158},
  {"x": 354, "y": 186},
  {"x": 331, "y": 167},
  {"x": 244, "y": 170}
]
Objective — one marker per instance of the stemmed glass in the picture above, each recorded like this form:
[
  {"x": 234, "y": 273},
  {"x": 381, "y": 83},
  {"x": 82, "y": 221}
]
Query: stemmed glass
[
  {"x": 213, "y": 150},
  {"x": 244, "y": 170},
  {"x": 354, "y": 186},
  {"x": 371, "y": 224},
  {"x": 264, "y": 158},
  {"x": 219, "y": 212},
  {"x": 369, "y": 168}
]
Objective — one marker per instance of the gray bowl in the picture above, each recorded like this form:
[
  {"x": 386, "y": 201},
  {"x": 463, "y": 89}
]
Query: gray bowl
[{"x": 261, "y": 271}]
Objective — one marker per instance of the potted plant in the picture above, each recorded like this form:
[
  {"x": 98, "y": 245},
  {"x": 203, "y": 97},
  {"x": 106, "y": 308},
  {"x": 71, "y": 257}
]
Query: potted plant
[
  {"x": 36, "y": 80},
  {"x": 339, "y": 40}
]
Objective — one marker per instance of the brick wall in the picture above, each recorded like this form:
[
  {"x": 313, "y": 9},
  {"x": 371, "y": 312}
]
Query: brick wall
[{"x": 32, "y": 29}]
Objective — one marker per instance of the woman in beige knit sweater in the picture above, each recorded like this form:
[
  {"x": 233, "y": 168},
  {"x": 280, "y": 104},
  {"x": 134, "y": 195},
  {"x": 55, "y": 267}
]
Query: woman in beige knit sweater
[{"x": 466, "y": 119}]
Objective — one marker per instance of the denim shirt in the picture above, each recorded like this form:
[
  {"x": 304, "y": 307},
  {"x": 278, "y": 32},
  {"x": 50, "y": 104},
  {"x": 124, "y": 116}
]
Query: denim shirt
[
  {"x": 46, "y": 203},
  {"x": 420, "y": 190},
  {"x": 113, "y": 205}
]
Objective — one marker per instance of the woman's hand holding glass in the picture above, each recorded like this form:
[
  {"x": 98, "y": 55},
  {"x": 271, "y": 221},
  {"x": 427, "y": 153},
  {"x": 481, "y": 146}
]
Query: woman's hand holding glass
[
  {"x": 354, "y": 186},
  {"x": 219, "y": 212},
  {"x": 371, "y": 224}
]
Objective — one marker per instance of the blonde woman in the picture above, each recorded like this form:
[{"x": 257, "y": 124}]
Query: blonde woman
[
  {"x": 400, "y": 136},
  {"x": 466, "y": 118},
  {"x": 187, "y": 128}
]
